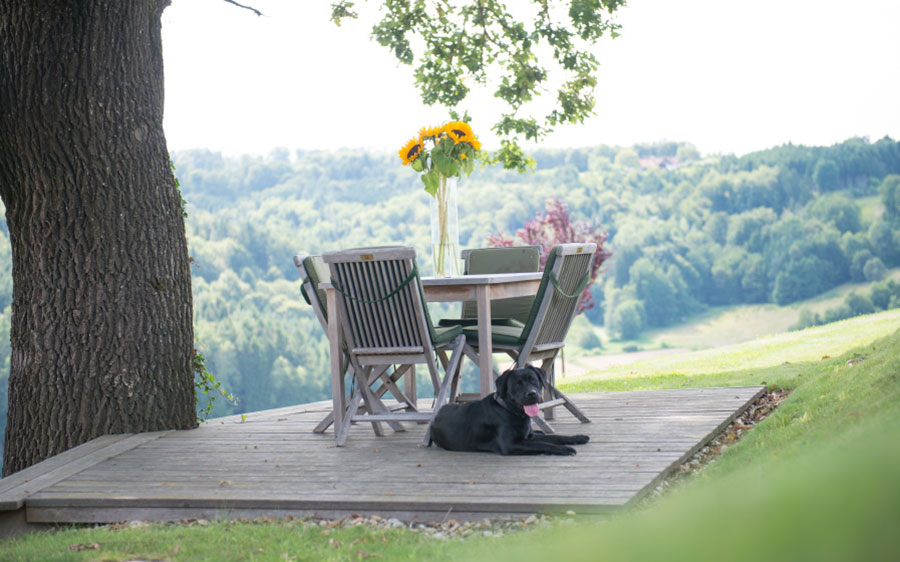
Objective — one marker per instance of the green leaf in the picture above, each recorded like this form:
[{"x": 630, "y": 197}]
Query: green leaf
[
  {"x": 432, "y": 181},
  {"x": 443, "y": 161}
]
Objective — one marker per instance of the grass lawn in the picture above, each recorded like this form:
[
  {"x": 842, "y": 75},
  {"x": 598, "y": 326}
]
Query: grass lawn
[{"x": 816, "y": 480}]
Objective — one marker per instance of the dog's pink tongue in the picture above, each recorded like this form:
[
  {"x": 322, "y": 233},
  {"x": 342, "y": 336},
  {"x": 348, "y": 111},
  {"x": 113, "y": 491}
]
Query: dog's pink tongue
[{"x": 531, "y": 410}]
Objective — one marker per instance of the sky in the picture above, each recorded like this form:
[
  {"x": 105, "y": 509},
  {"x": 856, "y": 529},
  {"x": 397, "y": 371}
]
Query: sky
[{"x": 728, "y": 76}]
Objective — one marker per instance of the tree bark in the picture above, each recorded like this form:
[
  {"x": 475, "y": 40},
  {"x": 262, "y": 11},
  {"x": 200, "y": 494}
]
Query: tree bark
[{"x": 101, "y": 332}]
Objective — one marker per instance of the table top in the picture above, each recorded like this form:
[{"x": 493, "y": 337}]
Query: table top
[
  {"x": 481, "y": 279},
  {"x": 469, "y": 280}
]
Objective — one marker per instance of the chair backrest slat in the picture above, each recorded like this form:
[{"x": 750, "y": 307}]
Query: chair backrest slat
[
  {"x": 381, "y": 312},
  {"x": 407, "y": 326}
]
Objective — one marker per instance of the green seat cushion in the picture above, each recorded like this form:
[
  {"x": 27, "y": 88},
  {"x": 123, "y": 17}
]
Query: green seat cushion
[
  {"x": 466, "y": 322},
  {"x": 502, "y": 335},
  {"x": 445, "y": 334},
  {"x": 317, "y": 271}
]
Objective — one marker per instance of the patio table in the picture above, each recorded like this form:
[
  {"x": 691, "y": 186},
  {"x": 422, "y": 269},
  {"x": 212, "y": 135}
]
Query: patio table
[{"x": 482, "y": 289}]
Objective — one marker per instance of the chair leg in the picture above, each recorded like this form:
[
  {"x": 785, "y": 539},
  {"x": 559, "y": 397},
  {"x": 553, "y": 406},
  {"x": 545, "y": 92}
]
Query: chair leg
[
  {"x": 329, "y": 419},
  {"x": 569, "y": 405},
  {"x": 388, "y": 382},
  {"x": 340, "y": 437},
  {"x": 362, "y": 380},
  {"x": 409, "y": 385},
  {"x": 451, "y": 373},
  {"x": 435, "y": 378},
  {"x": 408, "y": 405},
  {"x": 375, "y": 405},
  {"x": 325, "y": 423},
  {"x": 549, "y": 388},
  {"x": 553, "y": 393},
  {"x": 543, "y": 425}
]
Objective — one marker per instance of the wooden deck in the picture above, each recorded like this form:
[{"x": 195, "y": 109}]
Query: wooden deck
[{"x": 272, "y": 464}]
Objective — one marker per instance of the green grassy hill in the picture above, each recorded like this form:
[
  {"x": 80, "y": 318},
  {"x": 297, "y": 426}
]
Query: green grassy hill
[
  {"x": 816, "y": 480},
  {"x": 726, "y": 325},
  {"x": 775, "y": 359}
]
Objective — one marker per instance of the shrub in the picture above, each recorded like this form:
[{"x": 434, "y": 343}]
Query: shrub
[
  {"x": 859, "y": 304},
  {"x": 807, "y": 319},
  {"x": 628, "y": 319},
  {"x": 587, "y": 339},
  {"x": 874, "y": 270}
]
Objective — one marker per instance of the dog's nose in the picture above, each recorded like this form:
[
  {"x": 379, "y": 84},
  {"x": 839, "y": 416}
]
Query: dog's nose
[{"x": 532, "y": 394}]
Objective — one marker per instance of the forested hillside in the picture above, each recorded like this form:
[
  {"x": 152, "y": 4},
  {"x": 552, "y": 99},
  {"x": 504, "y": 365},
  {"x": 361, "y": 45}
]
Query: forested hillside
[{"x": 686, "y": 233}]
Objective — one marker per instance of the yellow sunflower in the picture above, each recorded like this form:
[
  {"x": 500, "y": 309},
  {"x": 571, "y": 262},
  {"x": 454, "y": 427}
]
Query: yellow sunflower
[
  {"x": 476, "y": 144},
  {"x": 459, "y": 131},
  {"x": 426, "y": 133},
  {"x": 411, "y": 150}
]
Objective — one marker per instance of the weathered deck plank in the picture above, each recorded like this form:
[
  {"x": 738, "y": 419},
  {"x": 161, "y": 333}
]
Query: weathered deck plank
[{"x": 270, "y": 463}]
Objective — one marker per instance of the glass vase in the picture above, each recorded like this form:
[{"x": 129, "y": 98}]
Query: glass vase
[{"x": 445, "y": 229}]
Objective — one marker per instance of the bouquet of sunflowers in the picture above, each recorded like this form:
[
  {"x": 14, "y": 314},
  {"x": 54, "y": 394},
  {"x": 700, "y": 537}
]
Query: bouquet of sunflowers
[{"x": 442, "y": 152}]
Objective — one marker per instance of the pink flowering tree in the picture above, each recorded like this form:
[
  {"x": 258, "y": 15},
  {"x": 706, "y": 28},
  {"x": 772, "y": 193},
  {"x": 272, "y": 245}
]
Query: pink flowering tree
[{"x": 554, "y": 227}]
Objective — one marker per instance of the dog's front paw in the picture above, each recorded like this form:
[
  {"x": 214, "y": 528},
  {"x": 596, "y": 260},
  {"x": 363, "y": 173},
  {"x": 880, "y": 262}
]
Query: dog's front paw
[
  {"x": 569, "y": 451},
  {"x": 581, "y": 439}
]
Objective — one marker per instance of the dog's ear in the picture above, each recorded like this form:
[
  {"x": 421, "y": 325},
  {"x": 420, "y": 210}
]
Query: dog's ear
[
  {"x": 501, "y": 383},
  {"x": 541, "y": 375}
]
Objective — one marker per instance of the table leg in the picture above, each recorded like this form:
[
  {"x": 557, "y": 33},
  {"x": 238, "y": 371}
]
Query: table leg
[
  {"x": 334, "y": 341},
  {"x": 485, "y": 358}
]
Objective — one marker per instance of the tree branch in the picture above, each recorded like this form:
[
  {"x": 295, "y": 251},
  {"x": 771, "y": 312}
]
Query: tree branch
[{"x": 254, "y": 10}]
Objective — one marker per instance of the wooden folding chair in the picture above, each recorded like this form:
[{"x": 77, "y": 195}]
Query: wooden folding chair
[
  {"x": 385, "y": 322},
  {"x": 566, "y": 274},
  {"x": 312, "y": 272}
]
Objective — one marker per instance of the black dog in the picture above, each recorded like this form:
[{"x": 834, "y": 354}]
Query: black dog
[{"x": 501, "y": 423}]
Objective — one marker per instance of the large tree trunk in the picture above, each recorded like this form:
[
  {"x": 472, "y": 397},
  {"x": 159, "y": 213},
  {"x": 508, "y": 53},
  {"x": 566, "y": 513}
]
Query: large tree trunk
[{"x": 101, "y": 330}]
